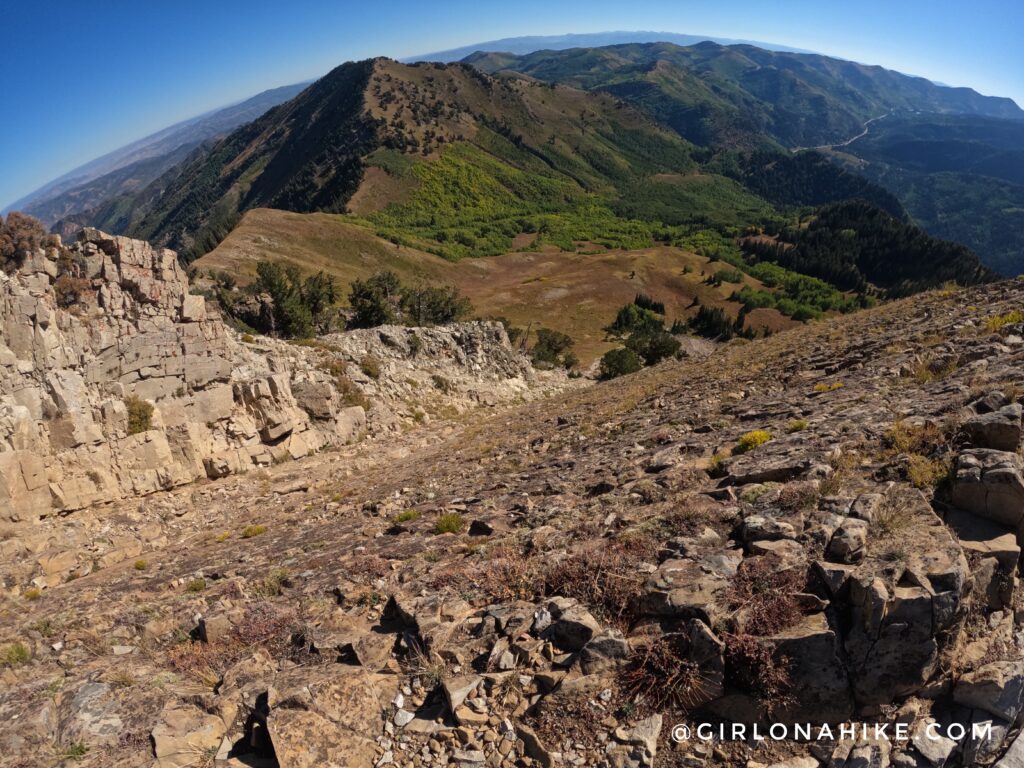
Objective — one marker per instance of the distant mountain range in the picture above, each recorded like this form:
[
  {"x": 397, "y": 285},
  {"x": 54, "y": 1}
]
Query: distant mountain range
[
  {"x": 741, "y": 95},
  {"x": 681, "y": 136},
  {"x": 137, "y": 164},
  {"x": 450, "y": 160},
  {"x": 524, "y": 45},
  {"x": 960, "y": 176}
]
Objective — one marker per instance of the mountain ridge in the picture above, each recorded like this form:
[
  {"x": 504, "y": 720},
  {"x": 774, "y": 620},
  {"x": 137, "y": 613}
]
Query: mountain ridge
[
  {"x": 167, "y": 142},
  {"x": 531, "y": 43}
]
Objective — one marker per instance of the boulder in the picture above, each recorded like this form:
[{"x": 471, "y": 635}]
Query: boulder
[
  {"x": 328, "y": 719},
  {"x": 999, "y": 430},
  {"x": 996, "y": 688},
  {"x": 817, "y": 671},
  {"x": 849, "y": 542},
  {"x": 691, "y": 589},
  {"x": 891, "y": 645},
  {"x": 989, "y": 483},
  {"x": 183, "y": 732},
  {"x": 766, "y": 528},
  {"x": 572, "y": 626}
]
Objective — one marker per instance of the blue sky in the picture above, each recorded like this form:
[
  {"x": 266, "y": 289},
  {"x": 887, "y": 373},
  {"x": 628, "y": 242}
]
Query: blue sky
[{"x": 82, "y": 78}]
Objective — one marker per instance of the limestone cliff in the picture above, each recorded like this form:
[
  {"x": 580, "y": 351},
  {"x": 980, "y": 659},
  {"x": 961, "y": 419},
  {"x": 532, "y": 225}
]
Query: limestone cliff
[{"x": 87, "y": 329}]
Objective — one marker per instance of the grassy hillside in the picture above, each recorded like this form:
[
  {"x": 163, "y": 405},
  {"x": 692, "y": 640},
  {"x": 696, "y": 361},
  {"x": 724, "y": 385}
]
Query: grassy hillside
[
  {"x": 574, "y": 292},
  {"x": 445, "y": 163},
  {"x": 455, "y": 162},
  {"x": 746, "y": 106}
]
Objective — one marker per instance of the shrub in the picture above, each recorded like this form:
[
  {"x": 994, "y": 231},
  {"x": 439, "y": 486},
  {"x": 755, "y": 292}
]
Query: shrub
[
  {"x": 374, "y": 300},
  {"x": 274, "y": 584},
  {"x": 514, "y": 332},
  {"x": 431, "y": 305},
  {"x": 605, "y": 579},
  {"x": 752, "y": 440},
  {"x": 370, "y": 365},
  {"x": 140, "y": 414},
  {"x": 619, "y": 362},
  {"x": 32, "y": 593},
  {"x": 796, "y": 425},
  {"x": 662, "y": 675},
  {"x": 450, "y": 522},
  {"x": 727, "y": 276},
  {"x": 713, "y": 323},
  {"x": 633, "y": 318},
  {"x": 251, "y": 531},
  {"x": 351, "y": 394},
  {"x": 923, "y": 472},
  {"x": 653, "y": 347},
  {"x": 929, "y": 369},
  {"x": 407, "y": 516},
  {"x": 751, "y": 666},
  {"x": 415, "y": 345},
  {"x": 141, "y": 565},
  {"x": 68, "y": 290},
  {"x": 766, "y": 595},
  {"x": 644, "y": 301},
  {"x": 893, "y": 517},
  {"x": 550, "y": 346},
  {"x": 909, "y": 438},
  {"x": 19, "y": 236},
  {"x": 300, "y": 305}
]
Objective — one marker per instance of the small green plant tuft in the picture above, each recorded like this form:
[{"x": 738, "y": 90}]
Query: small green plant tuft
[
  {"x": 450, "y": 522},
  {"x": 274, "y": 584},
  {"x": 75, "y": 751},
  {"x": 796, "y": 425},
  {"x": 32, "y": 593},
  {"x": 14, "y": 654},
  {"x": 196, "y": 585},
  {"x": 997, "y": 322},
  {"x": 252, "y": 531},
  {"x": 752, "y": 440},
  {"x": 407, "y": 516},
  {"x": 141, "y": 565}
]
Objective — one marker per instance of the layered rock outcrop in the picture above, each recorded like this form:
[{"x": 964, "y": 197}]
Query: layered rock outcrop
[{"x": 116, "y": 381}]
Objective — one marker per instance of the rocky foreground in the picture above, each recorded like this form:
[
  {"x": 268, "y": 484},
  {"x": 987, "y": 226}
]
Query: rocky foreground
[{"x": 817, "y": 527}]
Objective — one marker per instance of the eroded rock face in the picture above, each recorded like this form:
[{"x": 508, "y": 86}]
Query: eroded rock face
[
  {"x": 90, "y": 331},
  {"x": 73, "y": 366}
]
